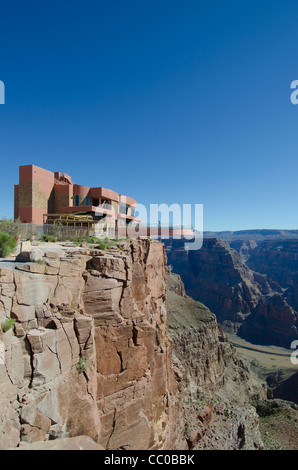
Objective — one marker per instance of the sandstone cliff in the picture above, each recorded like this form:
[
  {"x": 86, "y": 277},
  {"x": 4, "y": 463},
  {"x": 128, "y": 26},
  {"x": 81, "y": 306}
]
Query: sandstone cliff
[
  {"x": 277, "y": 259},
  {"x": 216, "y": 276},
  {"x": 218, "y": 388},
  {"x": 246, "y": 302},
  {"x": 88, "y": 353}
]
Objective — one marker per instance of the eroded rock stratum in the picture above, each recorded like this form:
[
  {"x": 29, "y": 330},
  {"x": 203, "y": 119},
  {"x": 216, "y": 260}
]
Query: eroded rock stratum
[
  {"x": 101, "y": 350},
  {"x": 89, "y": 353}
]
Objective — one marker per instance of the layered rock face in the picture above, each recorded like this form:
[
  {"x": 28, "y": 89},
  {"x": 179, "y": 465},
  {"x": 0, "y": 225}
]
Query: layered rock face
[
  {"x": 245, "y": 302},
  {"x": 136, "y": 390},
  {"x": 218, "y": 387},
  {"x": 88, "y": 353},
  {"x": 278, "y": 259},
  {"x": 244, "y": 247},
  {"x": 273, "y": 321},
  {"x": 199, "y": 342},
  {"x": 216, "y": 276},
  {"x": 275, "y": 316},
  {"x": 42, "y": 391}
]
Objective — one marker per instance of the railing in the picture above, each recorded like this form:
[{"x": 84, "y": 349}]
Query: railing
[
  {"x": 169, "y": 226},
  {"x": 71, "y": 231},
  {"x": 57, "y": 231},
  {"x": 106, "y": 206}
]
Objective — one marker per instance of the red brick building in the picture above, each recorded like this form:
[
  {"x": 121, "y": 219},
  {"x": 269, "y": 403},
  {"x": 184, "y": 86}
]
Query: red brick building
[{"x": 44, "y": 197}]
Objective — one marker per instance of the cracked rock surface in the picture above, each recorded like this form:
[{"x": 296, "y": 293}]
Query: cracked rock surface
[{"x": 88, "y": 353}]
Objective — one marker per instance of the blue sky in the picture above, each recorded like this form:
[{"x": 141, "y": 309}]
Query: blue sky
[{"x": 166, "y": 101}]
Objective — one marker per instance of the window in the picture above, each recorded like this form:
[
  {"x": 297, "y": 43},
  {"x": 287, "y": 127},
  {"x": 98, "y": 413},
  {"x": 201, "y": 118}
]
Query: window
[
  {"x": 77, "y": 200},
  {"x": 123, "y": 208}
]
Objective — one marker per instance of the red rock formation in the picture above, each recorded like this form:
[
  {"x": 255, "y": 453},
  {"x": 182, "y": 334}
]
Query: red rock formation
[
  {"x": 245, "y": 302},
  {"x": 216, "y": 276},
  {"x": 218, "y": 388},
  {"x": 89, "y": 352}
]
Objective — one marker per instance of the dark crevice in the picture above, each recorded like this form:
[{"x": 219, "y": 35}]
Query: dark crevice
[
  {"x": 121, "y": 361},
  {"x": 113, "y": 428},
  {"x": 31, "y": 355},
  {"x": 135, "y": 335}
]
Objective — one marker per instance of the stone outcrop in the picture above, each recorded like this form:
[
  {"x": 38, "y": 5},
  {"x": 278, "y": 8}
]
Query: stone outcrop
[
  {"x": 67, "y": 443},
  {"x": 273, "y": 321},
  {"x": 277, "y": 259},
  {"x": 125, "y": 295},
  {"x": 199, "y": 343},
  {"x": 245, "y": 302},
  {"x": 218, "y": 388},
  {"x": 42, "y": 390},
  {"x": 216, "y": 276},
  {"x": 88, "y": 352},
  {"x": 244, "y": 247}
]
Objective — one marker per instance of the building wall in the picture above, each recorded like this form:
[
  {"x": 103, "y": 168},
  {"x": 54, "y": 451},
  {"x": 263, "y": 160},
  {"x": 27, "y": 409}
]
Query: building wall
[
  {"x": 80, "y": 193},
  {"x": 16, "y": 201},
  {"x": 39, "y": 192},
  {"x": 35, "y": 190},
  {"x": 63, "y": 196}
]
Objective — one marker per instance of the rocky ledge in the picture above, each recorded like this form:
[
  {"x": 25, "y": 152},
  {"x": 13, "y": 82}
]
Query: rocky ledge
[
  {"x": 84, "y": 349},
  {"x": 95, "y": 346},
  {"x": 219, "y": 391}
]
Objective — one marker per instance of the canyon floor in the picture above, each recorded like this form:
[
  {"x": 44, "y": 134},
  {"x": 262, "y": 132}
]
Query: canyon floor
[
  {"x": 265, "y": 361},
  {"x": 278, "y": 419}
]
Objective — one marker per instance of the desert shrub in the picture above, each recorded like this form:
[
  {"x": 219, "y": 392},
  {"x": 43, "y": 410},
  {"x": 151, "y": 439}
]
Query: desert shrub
[
  {"x": 83, "y": 365},
  {"x": 11, "y": 227},
  {"x": 7, "y": 324},
  {"x": 268, "y": 408},
  {"x": 8, "y": 244},
  {"x": 49, "y": 238},
  {"x": 94, "y": 240}
]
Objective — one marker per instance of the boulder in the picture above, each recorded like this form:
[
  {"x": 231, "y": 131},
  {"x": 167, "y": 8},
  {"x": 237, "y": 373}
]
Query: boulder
[{"x": 30, "y": 256}]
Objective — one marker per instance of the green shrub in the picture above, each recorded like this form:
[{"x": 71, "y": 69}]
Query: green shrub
[
  {"x": 49, "y": 238},
  {"x": 102, "y": 246},
  {"x": 32, "y": 232},
  {"x": 8, "y": 244},
  {"x": 7, "y": 324},
  {"x": 83, "y": 365},
  {"x": 10, "y": 226}
]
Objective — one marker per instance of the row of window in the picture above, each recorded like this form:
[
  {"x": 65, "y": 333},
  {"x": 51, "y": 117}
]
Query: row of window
[{"x": 123, "y": 208}]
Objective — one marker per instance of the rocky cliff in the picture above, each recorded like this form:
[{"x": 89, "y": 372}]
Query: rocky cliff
[
  {"x": 277, "y": 259},
  {"x": 245, "y": 301},
  {"x": 216, "y": 276},
  {"x": 218, "y": 388},
  {"x": 103, "y": 349},
  {"x": 88, "y": 352}
]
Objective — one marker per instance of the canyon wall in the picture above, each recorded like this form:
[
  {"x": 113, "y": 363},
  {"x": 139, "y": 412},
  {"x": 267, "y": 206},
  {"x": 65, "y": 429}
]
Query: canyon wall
[
  {"x": 278, "y": 259},
  {"x": 246, "y": 302},
  {"x": 219, "y": 390},
  {"x": 104, "y": 347},
  {"x": 88, "y": 353}
]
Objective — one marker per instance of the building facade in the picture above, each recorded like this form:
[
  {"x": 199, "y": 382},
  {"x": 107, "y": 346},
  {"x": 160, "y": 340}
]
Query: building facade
[{"x": 51, "y": 198}]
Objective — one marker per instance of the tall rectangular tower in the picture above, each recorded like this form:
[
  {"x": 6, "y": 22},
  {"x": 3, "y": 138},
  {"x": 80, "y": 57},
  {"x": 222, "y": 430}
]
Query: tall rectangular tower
[{"x": 33, "y": 194}]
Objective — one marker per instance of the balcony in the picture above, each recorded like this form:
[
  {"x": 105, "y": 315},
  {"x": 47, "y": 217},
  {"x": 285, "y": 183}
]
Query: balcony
[{"x": 102, "y": 209}]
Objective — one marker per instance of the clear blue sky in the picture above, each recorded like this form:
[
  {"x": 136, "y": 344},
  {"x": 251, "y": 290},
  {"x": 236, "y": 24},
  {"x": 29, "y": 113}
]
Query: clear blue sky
[{"x": 167, "y": 101}]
